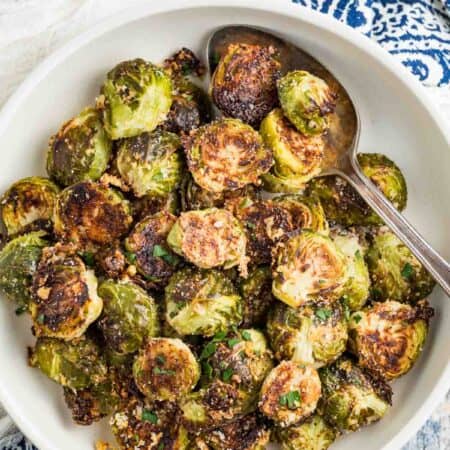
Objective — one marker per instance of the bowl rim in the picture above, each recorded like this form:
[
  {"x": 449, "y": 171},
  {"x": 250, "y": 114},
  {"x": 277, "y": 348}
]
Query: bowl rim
[{"x": 291, "y": 10}]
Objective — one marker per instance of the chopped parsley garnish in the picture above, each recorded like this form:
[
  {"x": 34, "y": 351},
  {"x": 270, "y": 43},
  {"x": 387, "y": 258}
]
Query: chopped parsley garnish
[
  {"x": 161, "y": 446},
  {"x": 246, "y": 335},
  {"x": 208, "y": 350},
  {"x": 207, "y": 369},
  {"x": 323, "y": 313},
  {"x": 166, "y": 255},
  {"x": 232, "y": 342},
  {"x": 407, "y": 271},
  {"x": 20, "y": 310},
  {"x": 131, "y": 257},
  {"x": 227, "y": 374},
  {"x": 149, "y": 416},
  {"x": 250, "y": 225},
  {"x": 357, "y": 318},
  {"x": 159, "y": 371},
  {"x": 41, "y": 318},
  {"x": 88, "y": 258},
  {"x": 161, "y": 359},
  {"x": 291, "y": 399}
]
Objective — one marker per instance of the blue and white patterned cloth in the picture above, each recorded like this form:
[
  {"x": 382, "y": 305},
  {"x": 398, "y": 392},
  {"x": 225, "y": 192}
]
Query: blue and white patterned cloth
[{"x": 416, "y": 32}]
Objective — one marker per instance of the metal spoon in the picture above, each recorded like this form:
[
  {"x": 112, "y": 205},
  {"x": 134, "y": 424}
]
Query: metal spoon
[{"x": 342, "y": 139}]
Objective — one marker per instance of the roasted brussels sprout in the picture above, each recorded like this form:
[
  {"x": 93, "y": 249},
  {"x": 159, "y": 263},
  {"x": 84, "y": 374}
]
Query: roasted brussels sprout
[
  {"x": 343, "y": 205},
  {"x": 76, "y": 365},
  {"x": 148, "y": 250},
  {"x": 135, "y": 98},
  {"x": 256, "y": 292},
  {"x": 65, "y": 300},
  {"x": 312, "y": 335},
  {"x": 226, "y": 155},
  {"x": 306, "y": 212},
  {"x": 210, "y": 238},
  {"x": 312, "y": 434},
  {"x": 306, "y": 101},
  {"x": 388, "y": 337},
  {"x": 28, "y": 205},
  {"x": 265, "y": 222},
  {"x": 151, "y": 163},
  {"x": 165, "y": 369},
  {"x": 142, "y": 425},
  {"x": 202, "y": 302},
  {"x": 351, "y": 397},
  {"x": 290, "y": 393},
  {"x": 129, "y": 316},
  {"x": 298, "y": 157},
  {"x": 395, "y": 273},
  {"x": 356, "y": 289},
  {"x": 247, "y": 433},
  {"x": 308, "y": 267},
  {"x": 244, "y": 84},
  {"x": 184, "y": 63},
  {"x": 18, "y": 262},
  {"x": 109, "y": 262},
  {"x": 91, "y": 215},
  {"x": 80, "y": 150}
]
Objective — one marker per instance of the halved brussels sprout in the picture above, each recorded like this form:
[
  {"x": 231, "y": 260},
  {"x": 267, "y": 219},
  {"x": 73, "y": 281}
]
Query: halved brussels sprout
[
  {"x": 351, "y": 397},
  {"x": 194, "y": 197},
  {"x": 247, "y": 433},
  {"x": 244, "y": 84},
  {"x": 306, "y": 101},
  {"x": 297, "y": 156},
  {"x": 312, "y": 434},
  {"x": 395, "y": 272},
  {"x": 226, "y": 155},
  {"x": 28, "y": 205},
  {"x": 142, "y": 425},
  {"x": 184, "y": 62},
  {"x": 151, "y": 163},
  {"x": 19, "y": 259},
  {"x": 306, "y": 212},
  {"x": 210, "y": 238},
  {"x": 80, "y": 150},
  {"x": 91, "y": 215},
  {"x": 343, "y": 205},
  {"x": 256, "y": 292},
  {"x": 65, "y": 300},
  {"x": 356, "y": 289},
  {"x": 148, "y": 250},
  {"x": 308, "y": 267},
  {"x": 313, "y": 335},
  {"x": 129, "y": 316},
  {"x": 265, "y": 222},
  {"x": 290, "y": 393},
  {"x": 135, "y": 98},
  {"x": 202, "y": 302},
  {"x": 388, "y": 337},
  {"x": 241, "y": 358},
  {"x": 76, "y": 365},
  {"x": 165, "y": 369}
]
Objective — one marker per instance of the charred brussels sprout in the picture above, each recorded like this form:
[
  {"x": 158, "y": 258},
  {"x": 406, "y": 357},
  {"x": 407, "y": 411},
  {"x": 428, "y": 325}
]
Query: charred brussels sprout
[
  {"x": 129, "y": 316},
  {"x": 356, "y": 288},
  {"x": 210, "y": 238},
  {"x": 313, "y": 335},
  {"x": 298, "y": 157},
  {"x": 153, "y": 204},
  {"x": 65, "y": 300},
  {"x": 388, "y": 337},
  {"x": 202, "y": 302},
  {"x": 80, "y": 150},
  {"x": 265, "y": 223},
  {"x": 148, "y": 250},
  {"x": 396, "y": 274},
  {"x": 312, "y": 434},
  {"x": 244, "y": 84},
  {"x": 351, "y": 397},
  {"x": 306, "y": 212},
  {"x": 343, "y": 205},
  {"x": 76, "y": 365},
  {"x": 226, "y": 155},
  {"x": 143, "y": 425},
  {"x": 91, "y": 215},
  {"x": 28, "y": 205},
  {"x": 135, "y": 98},
  {"x": 256, "y": 292},
  {"x": 165, "y": 369},
  {"x": 19, "y": 259},
  {"x": 308, "y": 267},
  {"x": 150, "y": 163},
  {"x": 306, "y": 101},
  {"x": 290, "y": 393}
]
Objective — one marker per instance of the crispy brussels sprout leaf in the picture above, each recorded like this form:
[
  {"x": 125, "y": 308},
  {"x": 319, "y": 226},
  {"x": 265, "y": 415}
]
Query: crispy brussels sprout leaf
[{"x": 28, "y": 205}]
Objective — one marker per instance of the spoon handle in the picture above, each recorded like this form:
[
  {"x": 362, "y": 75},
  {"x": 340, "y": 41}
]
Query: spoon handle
[{"x": 431, "y": 260}]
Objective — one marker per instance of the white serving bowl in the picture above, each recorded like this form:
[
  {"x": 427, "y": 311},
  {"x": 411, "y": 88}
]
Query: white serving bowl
[{"x": 397, "y": 119}]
